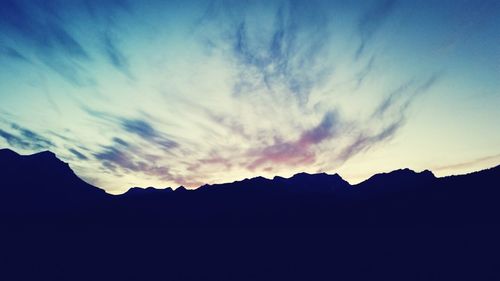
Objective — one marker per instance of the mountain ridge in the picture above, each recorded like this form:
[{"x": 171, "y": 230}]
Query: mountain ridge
[
  {"x": 47, "y": 155},
  {"x": 42, "y": 188}
]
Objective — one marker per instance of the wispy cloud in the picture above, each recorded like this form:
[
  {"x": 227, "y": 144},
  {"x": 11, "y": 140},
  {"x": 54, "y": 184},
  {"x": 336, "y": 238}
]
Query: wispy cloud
[
  {"x": 32, "y": 136},
  {"x": 146, "y": 131},
  {"x": 187, "y": 95},
  {"x": 279, "y": 55},
  {"x": 401, "y": 98},
  {"x": 13, "y": 53},
  {"x": 491, "y": 160},
  {"x": 371, "y": 21},
  {"x": 397, "y": 104},
  {"x": 78, "y": 154},
  {"x": 365, "y": 140},
  {"x": 15, "y": 141},
  {"x": 138, "y": 127},
  {"x": 25, "y": 139},
  {"x": 122, "y": 158},
  {"x": 115, "y": 55},
  {"x": 298, "y": 152},
  {"x": 113, "y": 157},
  {"x": 42, "y": 27}
]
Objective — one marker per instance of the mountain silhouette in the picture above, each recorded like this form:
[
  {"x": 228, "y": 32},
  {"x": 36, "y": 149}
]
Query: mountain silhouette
[
  {"x": 139, "y": 191},
  {"x": 39, "y": 184},
  {"x": 42, "y": 186},
  {"x": 302, "y": 182},
  {"x": 401, "y": 225}
]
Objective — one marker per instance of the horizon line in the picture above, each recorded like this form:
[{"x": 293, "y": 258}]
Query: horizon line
[{"x": 240, "y": 180}]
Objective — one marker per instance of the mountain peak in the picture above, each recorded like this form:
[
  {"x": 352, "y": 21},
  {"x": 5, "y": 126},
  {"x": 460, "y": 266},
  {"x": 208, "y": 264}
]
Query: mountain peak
[
  {"x": 45, "y": 154},
  {"x": 427, "y": 173},
  {"x": 410, "y": 172},
  {"x": 180, "y": 189},
  {"x": 148, "y": 190},
  {"x": 5, "y": 152},
  {"x": 301, "y": 174},
  {"x": 397, "y": 180},
  {"x": 46, "y": 179}
]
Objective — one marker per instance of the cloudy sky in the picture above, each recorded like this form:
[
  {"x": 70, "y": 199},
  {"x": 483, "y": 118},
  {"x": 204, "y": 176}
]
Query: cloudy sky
[{"x": 169, "y": 93}]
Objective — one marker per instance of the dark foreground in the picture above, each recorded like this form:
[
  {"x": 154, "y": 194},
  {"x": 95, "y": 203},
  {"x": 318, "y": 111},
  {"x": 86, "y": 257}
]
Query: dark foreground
[{"x": 397, "y": 226}]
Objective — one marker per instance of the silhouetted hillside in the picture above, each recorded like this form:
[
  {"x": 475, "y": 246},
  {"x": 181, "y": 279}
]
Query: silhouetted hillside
[
  {"x": 43, "y": 187},
  {"x": 400, "y": 225}
]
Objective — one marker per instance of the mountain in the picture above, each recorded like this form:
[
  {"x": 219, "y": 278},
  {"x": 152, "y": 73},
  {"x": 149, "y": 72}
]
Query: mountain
[
  {"x": 401, "y": 225},
  {"x": 148, "y": 191},
  {"x": 402, "y": 177},
  {"x": 302, "y": 182},
  {"x": 41, "y": 183},
  {"x": 42, "y": 186}
]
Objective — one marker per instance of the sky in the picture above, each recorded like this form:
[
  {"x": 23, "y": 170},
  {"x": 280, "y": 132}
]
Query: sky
[{"x": 170, "y": 93}]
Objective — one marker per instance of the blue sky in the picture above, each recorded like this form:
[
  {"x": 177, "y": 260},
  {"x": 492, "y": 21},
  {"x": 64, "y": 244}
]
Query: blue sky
[{"x": 169, "y": 93}]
